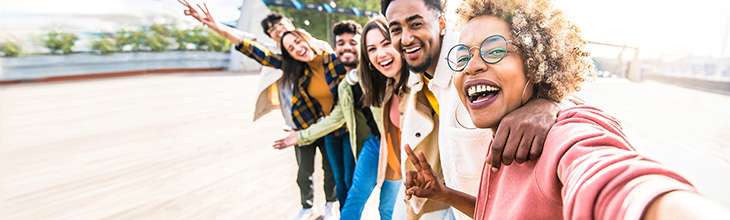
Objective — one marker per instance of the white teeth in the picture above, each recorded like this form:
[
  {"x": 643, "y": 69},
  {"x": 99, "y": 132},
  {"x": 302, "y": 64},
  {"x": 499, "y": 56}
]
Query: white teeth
[
  {"x": 473, "y": 90},
  {"x": 411, "y": 50},
  {"x": 385, "y": 63}
]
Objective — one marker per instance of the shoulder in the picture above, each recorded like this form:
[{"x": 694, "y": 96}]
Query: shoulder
[
  {"x": 585, "y": 115},
  {"x": 586, "y": 126}
]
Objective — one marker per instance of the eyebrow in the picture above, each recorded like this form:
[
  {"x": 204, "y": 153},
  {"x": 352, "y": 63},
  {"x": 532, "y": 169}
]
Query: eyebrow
[
  {"x": 382, "y": 41},
  {"x": 413, "y": 17},
  {"x": 408, "y": 19}
]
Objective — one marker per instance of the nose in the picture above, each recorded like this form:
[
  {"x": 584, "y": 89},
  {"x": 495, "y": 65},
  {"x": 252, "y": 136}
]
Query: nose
[
  {"x": 476, "y": 64},
  {"x": 379, "y": 55},
  {"x": 407, "y": 38}
]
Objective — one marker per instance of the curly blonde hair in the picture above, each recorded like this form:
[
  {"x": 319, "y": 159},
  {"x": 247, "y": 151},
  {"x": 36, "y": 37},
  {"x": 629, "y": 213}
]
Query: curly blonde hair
[{"x": 554, "y": 53}]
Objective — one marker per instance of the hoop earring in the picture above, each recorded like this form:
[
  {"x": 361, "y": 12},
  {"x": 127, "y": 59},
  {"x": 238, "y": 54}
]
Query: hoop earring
[
  {"x": 456, "y": 117},
  {"x": 522, "y": 99}
]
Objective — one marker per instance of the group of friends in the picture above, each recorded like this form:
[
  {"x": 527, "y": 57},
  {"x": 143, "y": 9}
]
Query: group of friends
[{"x": 475, "y": 121}]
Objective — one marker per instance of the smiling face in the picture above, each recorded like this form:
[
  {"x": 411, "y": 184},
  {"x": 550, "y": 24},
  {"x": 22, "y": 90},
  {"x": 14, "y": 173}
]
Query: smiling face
[
  {"x": 490, "y": 91},
  {"x": 298, "y": 48},
  {"x": 347, "y": 47},
  {"x": 414, "y": 29},
  {"x": 276, "y": 30},
  {"x": 382, "y": 54}
]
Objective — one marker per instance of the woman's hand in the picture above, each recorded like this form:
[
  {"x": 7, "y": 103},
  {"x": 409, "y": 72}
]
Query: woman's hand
[
  {"x": 288, "y": 141},
  {"x": 206, "y": 19},
  {"x": 422, "y": 182}
]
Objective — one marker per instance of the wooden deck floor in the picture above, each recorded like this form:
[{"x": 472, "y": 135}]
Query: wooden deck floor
[{"x": 184, "y": 147}]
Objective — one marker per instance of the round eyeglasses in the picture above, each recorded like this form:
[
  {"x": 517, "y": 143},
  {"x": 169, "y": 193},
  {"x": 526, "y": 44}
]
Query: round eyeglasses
[{"x": 492, "y": 50}]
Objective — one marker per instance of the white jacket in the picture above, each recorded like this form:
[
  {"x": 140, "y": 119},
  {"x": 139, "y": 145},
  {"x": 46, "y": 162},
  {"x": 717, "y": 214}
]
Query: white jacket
[{"x": 463, "y": 148}]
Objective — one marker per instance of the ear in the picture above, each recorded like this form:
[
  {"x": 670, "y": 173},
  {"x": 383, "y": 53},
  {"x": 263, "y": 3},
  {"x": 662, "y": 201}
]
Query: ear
[{"x": 442, "y": 25}]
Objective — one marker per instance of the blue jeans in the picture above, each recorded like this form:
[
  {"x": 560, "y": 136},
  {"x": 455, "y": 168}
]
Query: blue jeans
[
  {"x": 342, "y": 162},
  {"x": 366, "y": 174}
]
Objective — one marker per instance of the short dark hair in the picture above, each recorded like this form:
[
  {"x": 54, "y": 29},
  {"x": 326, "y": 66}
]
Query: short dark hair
[
  {"x": 269, "y": 21},
  {"x": 346, "y": 27},
  {"x": 432, "y": 4}
]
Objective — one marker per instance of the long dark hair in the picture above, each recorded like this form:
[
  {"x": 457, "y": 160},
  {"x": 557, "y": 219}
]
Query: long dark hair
[
  {"x": 373, "y": 82},
  {"x": 293, "y": 69}
]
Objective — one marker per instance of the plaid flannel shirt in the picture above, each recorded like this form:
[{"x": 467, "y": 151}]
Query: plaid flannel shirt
[{"x": 306, "y": 110}]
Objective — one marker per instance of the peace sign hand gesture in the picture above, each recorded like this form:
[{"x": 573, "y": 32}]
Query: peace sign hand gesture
[
  {"x": 206, "y": 20},
  {"x": 422, "y": 182}
]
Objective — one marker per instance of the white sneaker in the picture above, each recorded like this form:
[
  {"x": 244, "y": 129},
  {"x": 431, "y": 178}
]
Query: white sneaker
[
  {"x": 330, "y": 213},
  {"x": 304, "y": 214}
]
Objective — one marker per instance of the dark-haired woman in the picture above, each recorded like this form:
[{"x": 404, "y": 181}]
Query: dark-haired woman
[
  {"x": 312, "y": 71},
  {"x": 354, "y": 110}
]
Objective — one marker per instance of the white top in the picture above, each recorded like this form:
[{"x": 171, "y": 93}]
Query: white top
[{"x": 463, "y": 148}]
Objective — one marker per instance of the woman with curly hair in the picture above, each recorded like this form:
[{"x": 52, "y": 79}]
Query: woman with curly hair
[{"x": 515, "y": 50}]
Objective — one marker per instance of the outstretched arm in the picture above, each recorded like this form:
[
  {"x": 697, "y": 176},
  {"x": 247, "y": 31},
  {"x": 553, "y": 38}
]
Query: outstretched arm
[
  {"x": 326, "y": 125},
  {"x": 684, "y": 205},
  {"x": 248, "y": 47},
  {"x": 207, "y": 19}
]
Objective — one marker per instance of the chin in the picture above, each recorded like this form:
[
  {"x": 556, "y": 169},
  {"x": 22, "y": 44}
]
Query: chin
[{"x": 484, "y": 119}]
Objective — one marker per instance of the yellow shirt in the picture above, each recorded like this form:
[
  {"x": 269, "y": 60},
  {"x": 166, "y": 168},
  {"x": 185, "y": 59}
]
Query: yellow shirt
[{"x": 318, "y": 88}]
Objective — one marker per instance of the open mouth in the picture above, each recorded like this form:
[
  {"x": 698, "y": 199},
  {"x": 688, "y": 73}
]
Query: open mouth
[
  {"x": 350, "y": 53},
  {"x": 481, "y": 92},
  {"x": 302, "y": 52},
  {"x": 412, "y": 52},
  {"x": 387, "y": 63}
]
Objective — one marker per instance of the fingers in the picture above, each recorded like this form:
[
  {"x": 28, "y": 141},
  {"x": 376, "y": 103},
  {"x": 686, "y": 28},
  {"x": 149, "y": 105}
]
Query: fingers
[
  {"x": 183, "y": 2},
  {"x": 537, "y": 144},
  {"x": 412, "y": 157},
  {"x": 513, "y": 143},
  {"x": 523, "y": 153},
  {"x": 410, "y": 175},
  {"x": 498, "y": 146},
  {"x": 207, "y": 11},
  {"x": 423, "y": 163}
]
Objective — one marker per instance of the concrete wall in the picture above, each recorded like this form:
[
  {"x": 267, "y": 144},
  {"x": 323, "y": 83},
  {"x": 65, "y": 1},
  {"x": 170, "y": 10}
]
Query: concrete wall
[
  {"x": 44, "y": 66},
  {"x": 716, "y": 86}
]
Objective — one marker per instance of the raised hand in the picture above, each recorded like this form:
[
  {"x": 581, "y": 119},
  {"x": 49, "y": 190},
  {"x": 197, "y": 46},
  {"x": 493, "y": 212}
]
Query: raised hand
[
  {"x": 422, "y": 182},
  {"x": 206, "y": 18},
  {"x": 288, "y": 141}
]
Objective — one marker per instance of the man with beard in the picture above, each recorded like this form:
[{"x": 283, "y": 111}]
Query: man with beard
[
  {"x": 347, "y": 42},
  {"x": 352, "y": 113},
  {"x": 442, "y": 130}
]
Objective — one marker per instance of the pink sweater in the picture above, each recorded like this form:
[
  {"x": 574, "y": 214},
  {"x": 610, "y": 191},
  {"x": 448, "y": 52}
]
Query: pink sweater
[{"x": 587, "y": 170}]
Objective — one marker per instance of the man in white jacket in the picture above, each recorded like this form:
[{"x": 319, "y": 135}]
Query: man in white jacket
[{"x": 419, "y": 30}]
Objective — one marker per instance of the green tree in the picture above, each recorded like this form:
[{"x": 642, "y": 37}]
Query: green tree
[
  {"x": 217, "y": 43},
  {"x": 156, "y": 42},
  {"x": 104, "y": 45},
  {"x": 10, "y": 49},
  {"x": 60, "y": 42},
  {"x": 320, "y": 23},
  {"x": 127, "y": 40}
]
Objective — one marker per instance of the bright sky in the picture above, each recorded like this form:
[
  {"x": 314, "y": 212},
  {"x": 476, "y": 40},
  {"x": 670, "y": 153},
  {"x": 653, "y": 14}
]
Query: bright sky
[
  {"x": 224, "y": 10},
  {"x": 658, "y": 27}
]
